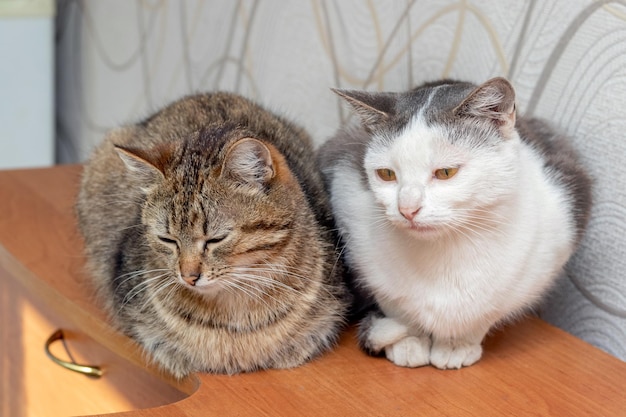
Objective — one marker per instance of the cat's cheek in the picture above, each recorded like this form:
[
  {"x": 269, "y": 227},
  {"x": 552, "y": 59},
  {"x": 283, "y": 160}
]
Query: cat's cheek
[
  {"x": 247, "y": 259},
  {"x": 385, "y": 194}
]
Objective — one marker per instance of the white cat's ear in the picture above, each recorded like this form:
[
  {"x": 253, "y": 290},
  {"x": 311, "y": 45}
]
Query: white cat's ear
[
  {"x": 249, "y": 161},
  {"x": 372, "y": 108},
  {"x": 142, "y": 163},
  {"x": 494, "y": 100}
]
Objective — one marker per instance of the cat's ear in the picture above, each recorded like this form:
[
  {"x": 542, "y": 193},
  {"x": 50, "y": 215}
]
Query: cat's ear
[
  {"x": 249, "y": 161},
  {"x": 494, "y": 100},
  {"x": 373, "y": 108},
  {"x": 146, "y": 165}
]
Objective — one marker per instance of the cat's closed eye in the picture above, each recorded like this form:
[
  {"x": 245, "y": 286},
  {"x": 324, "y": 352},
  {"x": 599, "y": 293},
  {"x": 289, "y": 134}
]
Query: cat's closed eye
[
  {"x": 168, "y": 240},
  {"x": 386, "y": 174},
  {"x": 445, "y": 173},
  {"x": 214, "y": 240}
]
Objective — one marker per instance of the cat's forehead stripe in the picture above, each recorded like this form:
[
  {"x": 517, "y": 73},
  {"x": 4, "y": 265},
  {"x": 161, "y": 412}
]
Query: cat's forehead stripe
[{"x": 420, "y": 114}]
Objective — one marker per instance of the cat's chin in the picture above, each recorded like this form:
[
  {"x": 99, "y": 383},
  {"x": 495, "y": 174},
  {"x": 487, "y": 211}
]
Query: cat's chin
[
  {"x": 421, "y": 231},
  {"x": 208, "y": 289}
]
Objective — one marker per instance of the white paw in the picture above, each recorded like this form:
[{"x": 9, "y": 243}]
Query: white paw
[
  {"x": 410, "y": 352},
  {"x": 384, "y": 332},
  {"x": 446, "y": 356}
]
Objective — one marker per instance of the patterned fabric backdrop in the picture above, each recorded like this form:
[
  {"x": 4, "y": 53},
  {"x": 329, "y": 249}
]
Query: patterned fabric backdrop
[{"x": 119, "y": 60}]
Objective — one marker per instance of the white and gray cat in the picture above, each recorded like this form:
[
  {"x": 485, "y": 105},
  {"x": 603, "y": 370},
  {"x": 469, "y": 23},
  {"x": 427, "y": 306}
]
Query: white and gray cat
[{"x": 455, "y": 215}]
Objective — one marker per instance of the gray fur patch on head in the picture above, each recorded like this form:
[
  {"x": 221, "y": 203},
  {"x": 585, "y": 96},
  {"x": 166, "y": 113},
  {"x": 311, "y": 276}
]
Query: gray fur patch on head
[{"x": 437, "y": 104}]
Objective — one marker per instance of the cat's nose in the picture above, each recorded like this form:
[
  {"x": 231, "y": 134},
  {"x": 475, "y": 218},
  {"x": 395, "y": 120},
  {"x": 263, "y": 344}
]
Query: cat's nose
[
  {"x": 189, "y": 269},
  {"x": 191, "y": 279},
  {"x": 409, "y": 212}
]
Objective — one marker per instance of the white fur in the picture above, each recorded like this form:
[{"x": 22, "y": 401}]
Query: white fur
[
  {"x": 485, "y": 244},
  {"x": 400, "y": 347}
]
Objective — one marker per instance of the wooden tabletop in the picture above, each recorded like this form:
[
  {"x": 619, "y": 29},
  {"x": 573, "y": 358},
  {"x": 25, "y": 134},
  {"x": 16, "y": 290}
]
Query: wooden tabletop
[{"x": 528, "y": 368}]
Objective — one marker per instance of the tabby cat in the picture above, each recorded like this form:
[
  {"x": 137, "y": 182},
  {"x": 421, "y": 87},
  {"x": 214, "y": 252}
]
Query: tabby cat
[
  {"x": 209, "y": 237},
  {"x": 455, "y": 213}
]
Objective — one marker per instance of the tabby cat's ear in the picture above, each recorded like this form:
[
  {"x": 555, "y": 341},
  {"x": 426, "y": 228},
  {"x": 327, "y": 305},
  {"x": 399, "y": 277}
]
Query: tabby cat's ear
[
  {"x": 494, "y": 100},
  {"x": 147, "y": 166},
  {"x": 373, "y": 108},
  {"x": 249, "y": 161}
]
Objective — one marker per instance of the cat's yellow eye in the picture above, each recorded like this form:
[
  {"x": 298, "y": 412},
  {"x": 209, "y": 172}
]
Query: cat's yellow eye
[
  {"x": 445, "y": 173},
  {"x": 386, "y": 174}
]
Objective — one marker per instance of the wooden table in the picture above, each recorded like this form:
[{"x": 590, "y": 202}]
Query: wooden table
[{"x": 529, "y": 368}]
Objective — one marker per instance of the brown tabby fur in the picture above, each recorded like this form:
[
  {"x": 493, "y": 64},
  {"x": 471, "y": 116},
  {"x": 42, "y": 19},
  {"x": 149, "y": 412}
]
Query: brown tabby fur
[{"x": 177, "y": 196}]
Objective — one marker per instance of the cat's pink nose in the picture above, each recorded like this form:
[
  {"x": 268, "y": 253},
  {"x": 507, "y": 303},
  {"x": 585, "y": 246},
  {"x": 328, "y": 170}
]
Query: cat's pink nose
[
  {"x": 409, "y": 212},
  {"x": 191, "y": 279}
]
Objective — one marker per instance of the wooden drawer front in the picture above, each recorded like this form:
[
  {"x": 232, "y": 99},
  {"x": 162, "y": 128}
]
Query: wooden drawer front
[{"x": 33, "y": 385}]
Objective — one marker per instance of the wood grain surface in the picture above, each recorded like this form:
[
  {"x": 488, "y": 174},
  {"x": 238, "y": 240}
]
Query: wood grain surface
[
  {"x": 529, "y": 368},
  {"x": 31, "y": 385}
]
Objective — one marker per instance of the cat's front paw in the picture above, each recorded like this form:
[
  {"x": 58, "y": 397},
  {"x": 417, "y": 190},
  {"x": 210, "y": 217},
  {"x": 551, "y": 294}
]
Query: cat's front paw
[
  {"x": 450, "y": 356},
  {"x": 376, "y": 332},
  {"x": 409, "y": 352}
]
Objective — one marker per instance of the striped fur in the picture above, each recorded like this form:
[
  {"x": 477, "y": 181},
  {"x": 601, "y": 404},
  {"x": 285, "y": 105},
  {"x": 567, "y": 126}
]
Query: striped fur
[{"x": 209, "y": 238}]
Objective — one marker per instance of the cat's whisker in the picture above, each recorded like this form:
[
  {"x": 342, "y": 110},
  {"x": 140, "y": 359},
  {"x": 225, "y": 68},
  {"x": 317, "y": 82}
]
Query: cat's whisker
[
  {"x": 133, "y": 226},
  {"x": 140, "y": 287},
  {"x": 381, "y": 223},
  {"x": 156, "y": 291},
  {"x": 123, "y": 202},
  {"x": 136, "y": 290},
  {"x": 474, "y": 223},
  {"x": 475, "y": 229},
  {"x": 485, "y": 216},
  {"x": 247, "y": 289},
  {"x": 486, "y": 224},
  {"x": 125, "y": 196},
  {"x": 238, "y": 287},
  {"x": 338, "y": 259},
  {"x": 471, "y": 237},
  {"x": 266, "y": 282},
  {"x": 261, "y": 284},
  {"x": 119, "y": 198},
  {"x": 280, "y": 271},
  {"x": 134, "y": 275},
  {"x": 378, "y": 218}
]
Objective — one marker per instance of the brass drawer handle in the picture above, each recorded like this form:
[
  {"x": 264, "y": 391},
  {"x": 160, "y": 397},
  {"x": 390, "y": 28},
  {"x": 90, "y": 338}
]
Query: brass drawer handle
[{"x": 93, "y": 371}]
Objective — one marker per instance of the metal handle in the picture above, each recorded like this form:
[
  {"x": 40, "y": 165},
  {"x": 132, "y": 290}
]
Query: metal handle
[{"x": 93, "y": 371}]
